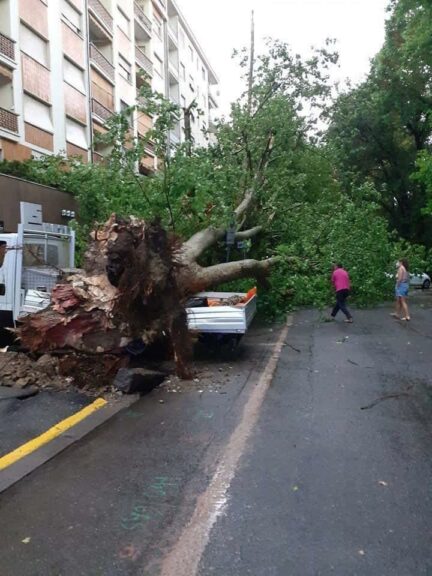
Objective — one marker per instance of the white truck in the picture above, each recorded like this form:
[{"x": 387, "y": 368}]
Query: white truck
[
  {"x": 221, "y": 318},
  {"x": 31, "y": 263}
]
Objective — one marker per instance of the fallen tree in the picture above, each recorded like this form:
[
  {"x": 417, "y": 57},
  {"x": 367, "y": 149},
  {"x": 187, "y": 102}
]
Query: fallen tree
[
  {"x": 136, "y": 276},
  {"x": 134, "y": 284}
]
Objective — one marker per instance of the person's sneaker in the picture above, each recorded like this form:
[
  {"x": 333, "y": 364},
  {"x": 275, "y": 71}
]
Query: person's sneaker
[{"x": 349, "y": 320}]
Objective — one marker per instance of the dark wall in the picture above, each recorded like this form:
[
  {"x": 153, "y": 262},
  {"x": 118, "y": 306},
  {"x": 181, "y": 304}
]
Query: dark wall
[{"x": 15, "y": 190}]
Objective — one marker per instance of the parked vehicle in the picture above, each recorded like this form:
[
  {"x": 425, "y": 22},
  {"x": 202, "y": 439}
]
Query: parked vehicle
[
  {"x": 31, "y": 263},
  {"x": 420, "y": 281},
  {"x": 221, "y": 318}
]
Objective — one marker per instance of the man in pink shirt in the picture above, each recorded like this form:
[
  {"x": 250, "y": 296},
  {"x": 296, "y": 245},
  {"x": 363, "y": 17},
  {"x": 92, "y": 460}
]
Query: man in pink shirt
[{"x": 342, "y": 286}]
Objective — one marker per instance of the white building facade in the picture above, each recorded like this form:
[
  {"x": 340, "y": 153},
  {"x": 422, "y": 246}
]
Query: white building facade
[{"x": 67, "y": 65}]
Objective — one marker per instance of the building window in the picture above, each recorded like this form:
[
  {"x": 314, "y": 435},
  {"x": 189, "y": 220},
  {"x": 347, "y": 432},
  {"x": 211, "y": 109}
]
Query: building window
[
  {"x": 71, "y": 16},
  {"x": 158, "y": 26},
  {"x": 203, "y": 73},
  {"x": 33, "y": 45},
  {"x": 183, "y": 72},
  {"x": 123, "y": 22},
  {"x": 191, "y": 54},
  {"x": 73, "y": 75},
  {"x": 182, "y": 38},
  {"x": 76, "y": 134},
  {"x": 183, "y": 101},
  {"x": 158, "y": 65},
  {"x": 125, "y": 69},
  {"x": 37, "y": 113},
  {"x": 191, "y": 84},
  {"x": 124, "y": 107}
]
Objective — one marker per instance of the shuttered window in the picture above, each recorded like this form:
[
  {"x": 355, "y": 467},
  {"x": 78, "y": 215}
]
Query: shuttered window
[
  {"x": 73, "y": 75},
  {"x": 76, "y": 134},
  {"x": 72, "y": 16},
  {"x": 37, "y": 113},
  {"x": 33, "y": 45}
]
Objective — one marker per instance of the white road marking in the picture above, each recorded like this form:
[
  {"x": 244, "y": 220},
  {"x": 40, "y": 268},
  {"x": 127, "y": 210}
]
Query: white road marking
[{"x": 185, "y": 556}]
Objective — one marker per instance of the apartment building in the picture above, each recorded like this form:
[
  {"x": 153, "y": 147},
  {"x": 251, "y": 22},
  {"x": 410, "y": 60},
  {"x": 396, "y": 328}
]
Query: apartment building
[{"x": 67, "y": 65}]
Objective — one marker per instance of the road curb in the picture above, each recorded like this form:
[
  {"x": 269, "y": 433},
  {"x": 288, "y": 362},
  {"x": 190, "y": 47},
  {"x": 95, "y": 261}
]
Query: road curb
[{"x": 29, "y": 463}]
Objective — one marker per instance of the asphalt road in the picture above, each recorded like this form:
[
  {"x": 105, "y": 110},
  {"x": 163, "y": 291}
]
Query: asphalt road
[
  {"x": 24, "y": 419},
  {"x": 334, "y": 478}
]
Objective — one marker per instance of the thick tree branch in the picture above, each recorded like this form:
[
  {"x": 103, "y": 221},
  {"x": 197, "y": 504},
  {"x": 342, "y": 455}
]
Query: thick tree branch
[
  {"x": 214, "y": 275},
  {"x": 246, "y": 234},
  {"x": 245, "y": 204},
  {"x": 249, "y": 195},
  {"x": 204, "y": 239},
  {"x": 199, "y": 242}
]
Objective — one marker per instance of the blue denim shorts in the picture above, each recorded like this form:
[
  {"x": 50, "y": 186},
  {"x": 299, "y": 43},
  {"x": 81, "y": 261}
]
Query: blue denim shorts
[{"x": 402, "y": 290}]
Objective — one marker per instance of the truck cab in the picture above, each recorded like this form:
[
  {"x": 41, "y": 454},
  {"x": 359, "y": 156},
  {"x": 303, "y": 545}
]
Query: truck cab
[{"x": 31, "y": 263}]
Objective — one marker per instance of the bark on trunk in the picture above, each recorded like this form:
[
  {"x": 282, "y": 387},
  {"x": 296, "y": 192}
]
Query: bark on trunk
[{"x": 128, "y": 290}]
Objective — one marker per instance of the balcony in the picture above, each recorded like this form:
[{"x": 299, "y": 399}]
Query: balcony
[
  {"x": 143, "y": 20},
  {"x": 212, "y": 99},
  {"x": 143, "y": 61},
  {"x": 98, "y": 10},
  {"x": 150, "y": 148},
  {"x": 99, "y": 110},
  {"x": 97, "y": 158},
  {"x": 7, "y": 47},
  {"x": 103, "y": 63},
  {"x": 8, "y": 120},
  {"x": 172, "y": 38}
]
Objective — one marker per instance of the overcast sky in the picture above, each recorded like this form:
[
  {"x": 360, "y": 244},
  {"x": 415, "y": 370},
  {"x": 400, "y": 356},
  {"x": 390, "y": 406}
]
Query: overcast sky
[{"x": 222, "y": 25}]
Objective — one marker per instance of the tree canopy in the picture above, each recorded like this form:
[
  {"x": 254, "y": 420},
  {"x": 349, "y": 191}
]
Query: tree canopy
[
  {"x": 295, "y": 197},
  {"x": 381, "y": 128}
]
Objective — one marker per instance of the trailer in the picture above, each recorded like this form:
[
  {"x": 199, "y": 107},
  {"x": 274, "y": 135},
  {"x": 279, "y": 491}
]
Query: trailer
[
  {"x": 221, "y": 326},
  {"x": 32, "y": 262}
]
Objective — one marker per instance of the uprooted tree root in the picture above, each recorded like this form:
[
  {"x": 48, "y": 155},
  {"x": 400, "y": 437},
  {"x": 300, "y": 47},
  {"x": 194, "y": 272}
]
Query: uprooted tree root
[{"x": 127, "y": 291}]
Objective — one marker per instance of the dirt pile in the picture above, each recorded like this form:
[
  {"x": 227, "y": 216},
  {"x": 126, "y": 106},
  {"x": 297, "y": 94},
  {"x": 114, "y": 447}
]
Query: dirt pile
[{"x": 88, "y": 374}]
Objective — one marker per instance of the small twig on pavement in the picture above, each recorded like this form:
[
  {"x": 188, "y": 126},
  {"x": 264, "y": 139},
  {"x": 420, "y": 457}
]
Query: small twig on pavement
[
  {"x": 386, "y": 397},
  {"x": 293, "y": 348}
]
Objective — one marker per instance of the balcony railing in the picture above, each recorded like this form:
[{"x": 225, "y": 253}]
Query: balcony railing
[
  {"x": 103, "y": 63},
  {"x": 150, "y": 148},
  {"x": 101, "y": 13},
  {"x": 144, "y": 61},
  {"x": 8, "y": 120},
  {"x": 100, "y": 110},
  {"x": 143, "y": 19},
  {"x": 97, "y": 157},
  {"x": 7, "y": 46},
  {"x": 212, "y": 99}
]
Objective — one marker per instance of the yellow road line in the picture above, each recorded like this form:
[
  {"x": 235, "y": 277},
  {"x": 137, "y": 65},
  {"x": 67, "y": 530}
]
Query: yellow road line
[{"x": 56, "y": 430}]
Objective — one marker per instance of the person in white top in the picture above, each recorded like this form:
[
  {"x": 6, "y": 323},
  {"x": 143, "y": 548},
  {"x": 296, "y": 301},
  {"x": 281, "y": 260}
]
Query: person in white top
[{"x": 401, "y": 291}]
